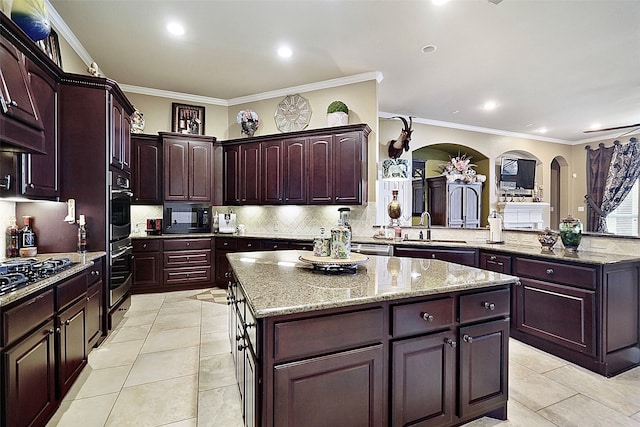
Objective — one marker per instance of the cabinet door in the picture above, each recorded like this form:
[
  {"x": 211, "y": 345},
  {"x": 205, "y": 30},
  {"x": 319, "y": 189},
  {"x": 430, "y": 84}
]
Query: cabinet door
[
  {"x": 483, "y": 366},
  {"x": 16, "y": 94},
  {"x": 147, "y": 271},
  {"x": 117, "y": 128},
  {"x": 73, "y": 344},
  {"x": 295, "y": 171},
  {"x": 231, "y": 159},
  {"x": 200, "y": 171},
  {"x": 320, "y": 170},
  {"x": 176, "y": 170},
  {"x": 40, "y": 171},
  {"x": 250, "y": 174},
  {"x": 94, "y": 314},
  {"x": 222, "y": 269},
  {"x": 437, "y": 196},
  {"x": 347, "y": 166},
  {"x": 455, "y": 205},
  {"x": 30, "y": 397},
  {"x": 422, "y": 380},
  {"x": 147, "y": 170},
  {"x": 417, "y": 205},
  {"x": 304, "y": 389},
  {"x": 560, "y": 314},
  {"x": 472, "y": 204},
  {"x": 250, "y": 390},
  {"x": 272, "y": 173}
]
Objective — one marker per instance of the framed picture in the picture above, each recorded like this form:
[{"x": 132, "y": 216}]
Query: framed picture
[
  {"x": 51, "y": 46},
  {"x": 187, "y": 119}
]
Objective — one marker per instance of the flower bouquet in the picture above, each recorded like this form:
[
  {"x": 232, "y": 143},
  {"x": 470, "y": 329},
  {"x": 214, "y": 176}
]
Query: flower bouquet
[
  {"x": 460, "y": 168},
  {"x": 249, "y": 121}
]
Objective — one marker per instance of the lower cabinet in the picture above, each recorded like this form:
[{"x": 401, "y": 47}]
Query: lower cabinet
[
  {"x": 464, "y": 256},
  {"x": 72, "y": 346},
  {"x": 147, "y": 265}
]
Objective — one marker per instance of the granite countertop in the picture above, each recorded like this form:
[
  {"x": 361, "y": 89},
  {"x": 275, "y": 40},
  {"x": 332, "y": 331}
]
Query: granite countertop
[
  {"x": 83, "y": 261},
  {"x": 278, "y": 283}
]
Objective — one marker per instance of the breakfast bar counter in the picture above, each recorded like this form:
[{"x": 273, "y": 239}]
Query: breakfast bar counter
[{"x": 392, "y": 341}]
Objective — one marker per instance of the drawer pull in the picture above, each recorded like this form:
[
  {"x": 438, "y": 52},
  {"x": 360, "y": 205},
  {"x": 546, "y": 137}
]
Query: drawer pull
[
  {"x": 144, "y": 245},
  {"x": 549, "y": 270},
  {"x": 427, "y": 317},
  {"x": 451, "y": 342},
  {"x": 95, "y": 273},
  {"x": 467, "y": 338},
  {"x": 249, "y": 245},
  {"x": 489, "y": 306},
  {"x": 492, "y": 258},
  {"x": 433, "y": 256}
]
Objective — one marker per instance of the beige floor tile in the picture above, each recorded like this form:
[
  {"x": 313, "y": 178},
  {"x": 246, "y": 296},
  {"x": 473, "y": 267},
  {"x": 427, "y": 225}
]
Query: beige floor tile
[
  {"x": 171, "y": 339},
  {"x": 176, "y": 321},
  {"x": 216, "y": 371},
  {"x": 89, "y": 412},
  {"x": 518, "y": 416},
  {"x": 146, "y": 302},
  {"x": 581, "y": 411},
  {"x": 216, "y": 323},
  {"x": 178, "y": 307},
  {"x": 191, "y": 422},
  {"x": 534, "y": 390},
  {"x": 622, "y": 396},
  {"x": 213, "y": 309},
  {"x": 533, "y": 358},
  {"x": 140, "y": 318},
  {"x": 162, "y": 365},
  {"x": 99, "y": 381},
  {"x": 220, "y": 407},
  {"x": 636, "y": 417},
  {"x": 115, "y": 354},
  {"x": 131, "y": 333},
  {"x": 214, "y": 343},
  {"x": 156, "y": 404},
  {"x": 182, "y": 295}
]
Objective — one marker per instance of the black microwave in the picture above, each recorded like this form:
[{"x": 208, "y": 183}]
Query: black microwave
[{"x": 186, "y": 218}]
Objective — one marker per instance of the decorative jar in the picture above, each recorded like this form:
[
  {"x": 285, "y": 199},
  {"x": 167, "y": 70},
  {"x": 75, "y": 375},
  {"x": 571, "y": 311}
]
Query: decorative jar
[
  {"x": 394, "y": 209},
  {"x": 322, "y": 244},
  {"x": 571, "y": 233},
  {"x": 340, "y": 243}
]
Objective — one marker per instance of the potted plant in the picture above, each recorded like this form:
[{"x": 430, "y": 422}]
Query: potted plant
[{"x": 337, "y": 114}]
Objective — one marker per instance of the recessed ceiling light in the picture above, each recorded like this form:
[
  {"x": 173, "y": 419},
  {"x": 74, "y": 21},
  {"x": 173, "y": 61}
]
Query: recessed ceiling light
[
  {"x": 542, "y": 130},
  {"x": 430, "y": 48},
  {"x": 490, "y": 105},
  {"x": 175, "y": 28},
  {"x": 284, "y": 52}
]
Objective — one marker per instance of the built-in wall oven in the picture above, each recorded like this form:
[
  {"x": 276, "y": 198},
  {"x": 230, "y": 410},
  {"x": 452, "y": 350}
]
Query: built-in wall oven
[{"x": 120, "y": 248}]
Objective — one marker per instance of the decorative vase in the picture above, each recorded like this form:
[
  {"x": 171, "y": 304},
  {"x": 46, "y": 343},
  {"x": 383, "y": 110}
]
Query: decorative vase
[
  {"x": 571, "y": 233},
  {"x": 338, "y": 118},
  {"x": 340, "y": 242},
  {"x": 394, "y": 209},
  {"x": 249, "y": 127}
]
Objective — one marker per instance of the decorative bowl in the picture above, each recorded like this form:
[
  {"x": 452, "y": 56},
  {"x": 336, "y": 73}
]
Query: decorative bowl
[
  {"x": 548, "y": 239},
  {"x": 28, "y": 252}
]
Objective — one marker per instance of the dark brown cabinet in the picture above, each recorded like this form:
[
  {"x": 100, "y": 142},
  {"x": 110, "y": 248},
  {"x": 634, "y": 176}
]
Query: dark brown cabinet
[
  {"x": 147, "y": 265},
  {"x": 242, "y": 173},
  {"x": 188, "y": 167},
  {"x": 95, "y": 322},
  {"x": 454, "y": 204},
  {"x": 284, "y": 166},
  {"x": 147, "y": 172},
  {"x": 187, "y": 263},
  {"x": 499, "y": 263},
  {"x": 465, "y": 256},
  {"x": 72, "y": 347},
  {"x": 120, "y": 141}
]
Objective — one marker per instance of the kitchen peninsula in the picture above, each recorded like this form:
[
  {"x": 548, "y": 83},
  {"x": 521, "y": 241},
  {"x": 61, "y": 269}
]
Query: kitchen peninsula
[{"x": 398, "y": 341}]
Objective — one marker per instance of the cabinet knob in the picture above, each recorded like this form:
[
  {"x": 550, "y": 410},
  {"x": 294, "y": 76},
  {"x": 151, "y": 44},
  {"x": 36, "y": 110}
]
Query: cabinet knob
[
  {"x": 144, "y": 245},
  {"x": 492, "y": 258},
  {"x": 49, "y": 332},
  {"x": 489, "y": 306},
  {"x": 188, "y": 244},
  {"x": 518, "y": 283},
  {"x": 549, "y": 270},
  {"x": 13, "y": 103},
  {"x": 238, "y": 337},
  {"x": 31, "y": 185},
  {"x": 251, "y": 325},
  {"x": 95, "y": 273},
  {"x": 427, "y": 317},
  {"x": 451, "y": 342},
  {"x": 467, "y": 338},
  {"x": 433, "y": 256},
  {"x": 249, "y": 245},
  {"x": 67, "y": 322}
]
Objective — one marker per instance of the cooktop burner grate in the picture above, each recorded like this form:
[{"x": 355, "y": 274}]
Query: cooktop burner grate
[{"x": 17, "y": 273}]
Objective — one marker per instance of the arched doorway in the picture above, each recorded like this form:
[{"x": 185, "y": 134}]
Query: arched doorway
[{"x": 559, "y": 180}]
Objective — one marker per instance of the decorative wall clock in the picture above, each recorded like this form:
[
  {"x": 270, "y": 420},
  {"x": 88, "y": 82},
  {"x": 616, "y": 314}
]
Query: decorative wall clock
[{"x": 293, "y": 113}]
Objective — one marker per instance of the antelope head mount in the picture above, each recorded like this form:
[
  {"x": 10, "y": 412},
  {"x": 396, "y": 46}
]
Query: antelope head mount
[{"x": 402, "y": 143}]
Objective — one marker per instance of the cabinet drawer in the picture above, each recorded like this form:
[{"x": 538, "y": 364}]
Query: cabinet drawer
[
  {"x": 70, "y": 290},
  {"x": 495, "y": 262},
  {"x": 187, "y": 258},
  {"x": 19, "y": 320},
  {"x": 95, "y": 272},
  {"x": 186, "y": 244},
  {"x": 248, "y": 245},
  {"x": 227, "y": 244},
  {"x": 309, "y": 337},
  {"x": 584, "y": 277},
  {"x": 183, "y": 276},
  {"x": 147, "y": 245},
  {"x": 419, "y": 317},
  {"x": 484, "y": 305}
]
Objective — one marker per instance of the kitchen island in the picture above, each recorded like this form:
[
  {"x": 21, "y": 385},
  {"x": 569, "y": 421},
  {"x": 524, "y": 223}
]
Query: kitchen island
[{"x": 396, "y": 341}]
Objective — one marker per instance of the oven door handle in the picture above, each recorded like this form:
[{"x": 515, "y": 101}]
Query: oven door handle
[
  {"x": 120, "y": 192},
  {"x": 122, "y": 252}
]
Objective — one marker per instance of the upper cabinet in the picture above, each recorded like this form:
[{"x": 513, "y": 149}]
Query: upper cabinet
[
  {"x": 120, "y": 142},
  {"x": 320, "y": 166},
  {"x": 188, "y": 167},
  {"x": 147, "y": 172}
]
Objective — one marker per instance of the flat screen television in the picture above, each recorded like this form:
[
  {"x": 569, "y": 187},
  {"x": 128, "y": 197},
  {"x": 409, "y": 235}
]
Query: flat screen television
[{"x": 517, "y": 173}]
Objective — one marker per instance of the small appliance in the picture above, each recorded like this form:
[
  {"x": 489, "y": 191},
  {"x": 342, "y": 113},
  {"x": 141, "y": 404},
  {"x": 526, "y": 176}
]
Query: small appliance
[
  {"x": 186, "y": 218},
  {"x": 227, "y": 223}
]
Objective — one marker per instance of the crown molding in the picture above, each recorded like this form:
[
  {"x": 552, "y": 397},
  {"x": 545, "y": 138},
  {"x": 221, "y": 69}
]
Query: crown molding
[
  {"x": 173, "y": 95},
  {"x": 64, "y": 31}
]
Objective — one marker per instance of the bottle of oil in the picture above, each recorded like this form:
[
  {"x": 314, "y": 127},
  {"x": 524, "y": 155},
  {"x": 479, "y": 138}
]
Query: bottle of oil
[
  {"x": 82, "y": 235},
  {"x": 13, "y": 238}
]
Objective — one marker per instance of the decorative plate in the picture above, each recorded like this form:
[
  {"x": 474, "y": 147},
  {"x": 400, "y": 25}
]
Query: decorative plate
[
  {"x": 354, "y": 259},
  {"x": 293, "y": 113}
]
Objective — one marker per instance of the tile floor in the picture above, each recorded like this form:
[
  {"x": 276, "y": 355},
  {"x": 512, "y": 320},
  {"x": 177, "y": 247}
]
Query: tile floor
[{"x": 169, "y": 364}]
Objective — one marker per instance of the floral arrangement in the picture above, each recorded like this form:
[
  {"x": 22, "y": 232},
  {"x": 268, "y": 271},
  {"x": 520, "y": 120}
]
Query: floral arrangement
[
  {"x": 248, "y": 120},
  {"x": 460, "y": 168}
]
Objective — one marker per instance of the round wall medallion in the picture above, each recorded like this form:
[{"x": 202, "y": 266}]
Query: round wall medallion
[{"x": 293, "y": 113}]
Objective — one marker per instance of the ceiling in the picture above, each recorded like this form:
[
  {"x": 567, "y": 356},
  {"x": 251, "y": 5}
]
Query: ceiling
[{"x": 555, "y": 64}]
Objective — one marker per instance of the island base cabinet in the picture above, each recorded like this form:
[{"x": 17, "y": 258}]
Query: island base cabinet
[
  {"x": 342, "y": 389},
  {"x": 483, "y": 368},
  {"x": 30, "y": 379},
  {"x": 423, "y": 374}
]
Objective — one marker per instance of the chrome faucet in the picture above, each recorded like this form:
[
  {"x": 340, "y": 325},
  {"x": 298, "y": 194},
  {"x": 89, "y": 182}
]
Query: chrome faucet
[{"x": 428, "y": 215}]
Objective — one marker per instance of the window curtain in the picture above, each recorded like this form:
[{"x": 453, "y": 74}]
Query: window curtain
[
  {"x": 612, "y": 173},
  {"x": 623, "y": 173}
]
